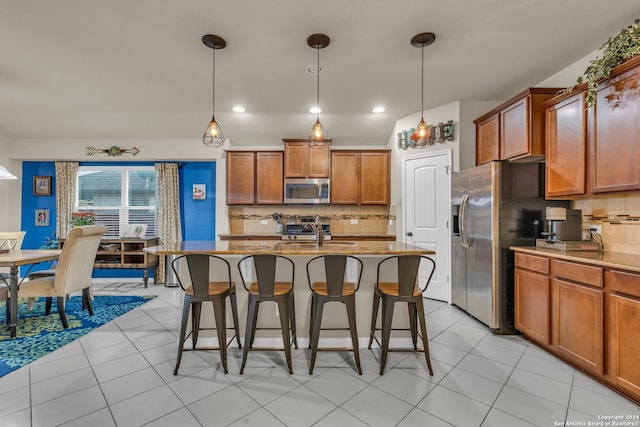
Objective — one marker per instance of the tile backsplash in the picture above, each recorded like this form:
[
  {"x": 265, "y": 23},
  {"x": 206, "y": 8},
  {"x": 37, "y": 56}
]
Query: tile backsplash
[
  {"x": 619, "y": 218},
  {"x": 343, "y": 219}
]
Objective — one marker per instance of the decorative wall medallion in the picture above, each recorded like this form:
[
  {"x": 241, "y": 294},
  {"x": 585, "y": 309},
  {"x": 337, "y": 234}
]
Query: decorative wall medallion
[{"x": 113, "y": 151}]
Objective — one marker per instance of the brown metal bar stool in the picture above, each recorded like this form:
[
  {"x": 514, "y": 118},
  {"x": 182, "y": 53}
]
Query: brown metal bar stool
[
  {"x": 266, "y": 287},
  {"x": 405, "y": 289},
  {"x": 333, "y": 289},
  {"x": 200, "y": 268}
]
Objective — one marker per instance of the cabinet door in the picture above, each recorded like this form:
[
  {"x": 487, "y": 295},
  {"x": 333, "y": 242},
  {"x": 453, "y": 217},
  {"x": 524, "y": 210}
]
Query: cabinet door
[
  {"x": 296, "y": 154},
  {"x": 240, "y": 178},
  {"x": 578, "y": 325},
  {"x": 374, "y": 178},
  {"x": 533, "y": 305},
  {"x": 624, "y": 342},
  {"x": 514, "y": 129},
  {"x": 318, "y": 161},
  {"x": 345, "y": 169},
  {"x": 269, "y": 178},
  {"x": 566, "y": 148},
  {"x": 487, "y": 140},
  {"x": 615, "y": 139}
]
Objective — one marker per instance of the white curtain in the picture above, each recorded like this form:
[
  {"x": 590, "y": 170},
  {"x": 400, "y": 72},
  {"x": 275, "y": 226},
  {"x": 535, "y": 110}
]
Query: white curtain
[
  {"x": 167, "y": 209},
  {"x": 66, "y": 174}
]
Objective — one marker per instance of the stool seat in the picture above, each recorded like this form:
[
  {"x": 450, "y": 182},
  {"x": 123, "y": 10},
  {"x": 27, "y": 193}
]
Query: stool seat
[
  {"x": 279, "y": 288},
  {"x": 215, "y": 288},
  {"x": 391, "y": 288},
  {"x": 320, "y": 288}
]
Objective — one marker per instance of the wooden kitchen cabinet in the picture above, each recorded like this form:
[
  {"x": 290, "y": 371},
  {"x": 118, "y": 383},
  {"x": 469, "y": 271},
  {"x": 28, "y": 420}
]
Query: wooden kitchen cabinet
[
  {"x": 624, "y": 329},
  {"x": 304, "y": 161},
  {"x": 360, "y": 177},
  {"x": 578, "y": 311},
  {"x": 255, "y": 177},
  {"x": 533, "y": 297},
  {"x": 520, "y": 122},
  {"x": 615, "y": 134},
  {"x": 488, "y": 139},
  {"x": 566, "y": 147}
]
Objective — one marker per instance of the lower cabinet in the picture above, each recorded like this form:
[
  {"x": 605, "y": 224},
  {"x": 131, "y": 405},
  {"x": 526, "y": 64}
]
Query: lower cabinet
[
  {"x": 586, "y": 314},
  {"x": 624, "y": 330}
]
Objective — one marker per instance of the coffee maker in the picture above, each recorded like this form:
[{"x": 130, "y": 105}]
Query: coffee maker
[{"x": 564, "y": 231}]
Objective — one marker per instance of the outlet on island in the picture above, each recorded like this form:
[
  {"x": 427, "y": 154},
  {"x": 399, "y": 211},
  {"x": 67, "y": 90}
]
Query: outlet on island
[{"x": 354, "y": 221}]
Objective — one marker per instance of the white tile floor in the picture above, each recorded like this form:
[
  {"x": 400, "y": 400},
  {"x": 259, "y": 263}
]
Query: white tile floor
[{"x": 122, "y": 375}]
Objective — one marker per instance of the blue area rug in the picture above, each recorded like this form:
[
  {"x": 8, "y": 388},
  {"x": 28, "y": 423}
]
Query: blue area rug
[{"x": 39, "y": 334}]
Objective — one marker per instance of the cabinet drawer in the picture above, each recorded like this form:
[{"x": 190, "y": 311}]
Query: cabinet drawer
[
  {"x": 586, "y": 274},
  {"x": 532, "y": 262},
  {"x": 622, "y": 281}
]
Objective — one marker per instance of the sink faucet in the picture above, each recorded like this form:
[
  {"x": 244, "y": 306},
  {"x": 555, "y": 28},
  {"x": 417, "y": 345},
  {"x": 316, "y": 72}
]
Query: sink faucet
[{"x": 317, "y": 227}]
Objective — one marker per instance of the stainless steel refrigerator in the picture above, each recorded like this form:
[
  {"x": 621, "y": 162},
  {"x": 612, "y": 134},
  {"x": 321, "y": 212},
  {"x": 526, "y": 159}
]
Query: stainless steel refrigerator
[{"x": 494, "y": 206}]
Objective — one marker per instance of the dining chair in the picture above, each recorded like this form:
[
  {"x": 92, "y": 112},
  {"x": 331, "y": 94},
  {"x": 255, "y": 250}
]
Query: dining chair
[
  {"x": 73, "y": 273},
  {"x": 326, "y": 279},
  {"x": 401, "y": 288},
  {"x": 274, "y": 276},
  {"x": 209, "y": 280}
]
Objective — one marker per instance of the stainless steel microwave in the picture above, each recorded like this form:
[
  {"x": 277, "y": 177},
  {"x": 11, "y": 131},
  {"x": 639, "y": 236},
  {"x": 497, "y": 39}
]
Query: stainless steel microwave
[{"x": 306, "y": 191}]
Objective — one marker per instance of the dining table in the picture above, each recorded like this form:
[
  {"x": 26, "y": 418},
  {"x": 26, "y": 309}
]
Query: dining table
[{"x": 14, "y": 260}]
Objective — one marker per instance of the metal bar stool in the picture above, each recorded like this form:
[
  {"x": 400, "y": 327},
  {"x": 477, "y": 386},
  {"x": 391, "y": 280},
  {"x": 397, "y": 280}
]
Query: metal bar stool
[
  {"x": 333, "y": 288},
  {"x": 202, "y": 288},
  {"x": 405, "y": 289},
  {"x": 266, "y": 287}
]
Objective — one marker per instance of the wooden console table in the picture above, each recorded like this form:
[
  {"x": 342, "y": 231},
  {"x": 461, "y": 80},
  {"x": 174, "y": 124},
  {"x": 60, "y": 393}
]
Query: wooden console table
[{"x": 126, "y": 253}]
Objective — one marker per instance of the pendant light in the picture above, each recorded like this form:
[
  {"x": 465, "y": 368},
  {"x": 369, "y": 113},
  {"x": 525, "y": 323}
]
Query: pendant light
[
  {"x": 5, "y": 174},
  {"x": 422, "y": 131},
  {"x": 317, "y": 135},
  {"x": 213, "y": 136}
]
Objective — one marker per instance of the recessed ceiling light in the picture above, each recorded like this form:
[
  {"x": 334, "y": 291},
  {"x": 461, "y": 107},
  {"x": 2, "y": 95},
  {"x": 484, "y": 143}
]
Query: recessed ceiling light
[
  {"x": 315, "y": 110},
  {"x": 378, "y": 110},
  {"x": 238, "y": 109}
]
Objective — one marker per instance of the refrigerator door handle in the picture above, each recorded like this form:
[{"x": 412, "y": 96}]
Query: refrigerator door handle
[{"x": 462, "y": 220}]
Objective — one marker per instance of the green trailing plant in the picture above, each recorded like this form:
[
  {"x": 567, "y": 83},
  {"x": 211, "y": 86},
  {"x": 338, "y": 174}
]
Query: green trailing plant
[{"x": 618, "y": 49}]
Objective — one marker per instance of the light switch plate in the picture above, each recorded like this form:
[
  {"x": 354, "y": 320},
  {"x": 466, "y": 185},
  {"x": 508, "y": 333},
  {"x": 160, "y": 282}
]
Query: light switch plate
[
  {"x": 354, "y": 221},
  {"x": 264, "y": 221}
]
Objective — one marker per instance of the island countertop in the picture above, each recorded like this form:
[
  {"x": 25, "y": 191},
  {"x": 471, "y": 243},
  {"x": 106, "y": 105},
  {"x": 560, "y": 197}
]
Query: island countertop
[{"x": 246, "y": 247}]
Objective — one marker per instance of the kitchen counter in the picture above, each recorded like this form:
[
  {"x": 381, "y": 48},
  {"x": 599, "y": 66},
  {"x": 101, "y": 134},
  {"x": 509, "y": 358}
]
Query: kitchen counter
[
  {"x": 619, "y": 260},
  {"x": 246, "y": 247},
  {"x": 335, "y": 236}
]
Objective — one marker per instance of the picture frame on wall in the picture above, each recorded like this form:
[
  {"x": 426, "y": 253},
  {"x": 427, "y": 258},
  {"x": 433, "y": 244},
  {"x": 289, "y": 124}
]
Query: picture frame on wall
[
  {"x": 42, "y": 217},
  {"x": 41, "y": 185},
  {"x": 199, "y": 191}
]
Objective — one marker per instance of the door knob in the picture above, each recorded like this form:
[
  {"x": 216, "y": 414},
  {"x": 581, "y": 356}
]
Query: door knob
[{"x": 409, "y": 234}]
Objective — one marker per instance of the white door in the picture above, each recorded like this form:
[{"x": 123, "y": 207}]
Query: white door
[{"x": 426, "y": 207}]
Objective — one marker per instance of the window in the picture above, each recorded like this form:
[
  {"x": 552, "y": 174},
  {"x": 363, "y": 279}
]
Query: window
[{"x": 118, "y": 195}]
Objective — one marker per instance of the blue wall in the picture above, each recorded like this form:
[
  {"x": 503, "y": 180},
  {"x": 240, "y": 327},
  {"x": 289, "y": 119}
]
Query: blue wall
[{"x": 198, "y": 216}]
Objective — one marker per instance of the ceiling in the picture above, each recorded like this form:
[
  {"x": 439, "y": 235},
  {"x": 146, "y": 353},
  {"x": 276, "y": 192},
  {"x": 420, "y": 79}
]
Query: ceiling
[{"x": 123, "y": 69}]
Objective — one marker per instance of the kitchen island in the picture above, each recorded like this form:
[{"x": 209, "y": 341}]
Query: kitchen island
[{"x": 370, "y": 252}]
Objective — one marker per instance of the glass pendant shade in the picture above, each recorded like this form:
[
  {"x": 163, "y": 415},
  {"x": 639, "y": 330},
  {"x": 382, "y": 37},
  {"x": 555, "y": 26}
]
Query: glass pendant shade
[
  {"x": 5, "y": 174},
  {"x": 213, "y": 136},
  {"x": 317, "y": 136},
  {"x": 422, "y": 131}
]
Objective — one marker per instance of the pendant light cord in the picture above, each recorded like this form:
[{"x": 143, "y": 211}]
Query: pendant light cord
[
  {"x": 422, "y": 83},
  {"x": 318, "y": 83},
  {"x": 213, "y": 84}
]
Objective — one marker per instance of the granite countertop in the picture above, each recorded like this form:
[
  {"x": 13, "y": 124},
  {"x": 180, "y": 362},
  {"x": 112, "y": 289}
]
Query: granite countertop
[
  {"x": 247, "y": 247},
  {"x": 277, "y": 236},
  {"x": 619, "y": 260}
]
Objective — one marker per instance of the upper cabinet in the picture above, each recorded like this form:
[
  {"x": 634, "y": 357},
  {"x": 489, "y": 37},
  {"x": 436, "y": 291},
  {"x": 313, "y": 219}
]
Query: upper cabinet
[
  {"x": 595, "y": 150},
  {"x": 615, "y": 134},
  {"x": 566, "y": 147},
  {"x": 515, "y": 129},
  {"x": 304, "y": 161},
  {"x": 360, "y": 177},
  {"x": 255, "y": 177}
]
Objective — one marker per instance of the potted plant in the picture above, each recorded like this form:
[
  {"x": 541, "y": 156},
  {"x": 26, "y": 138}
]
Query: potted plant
[
  {"x": 79, "y": 219},
  {"x": 618, "y": 49}
]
